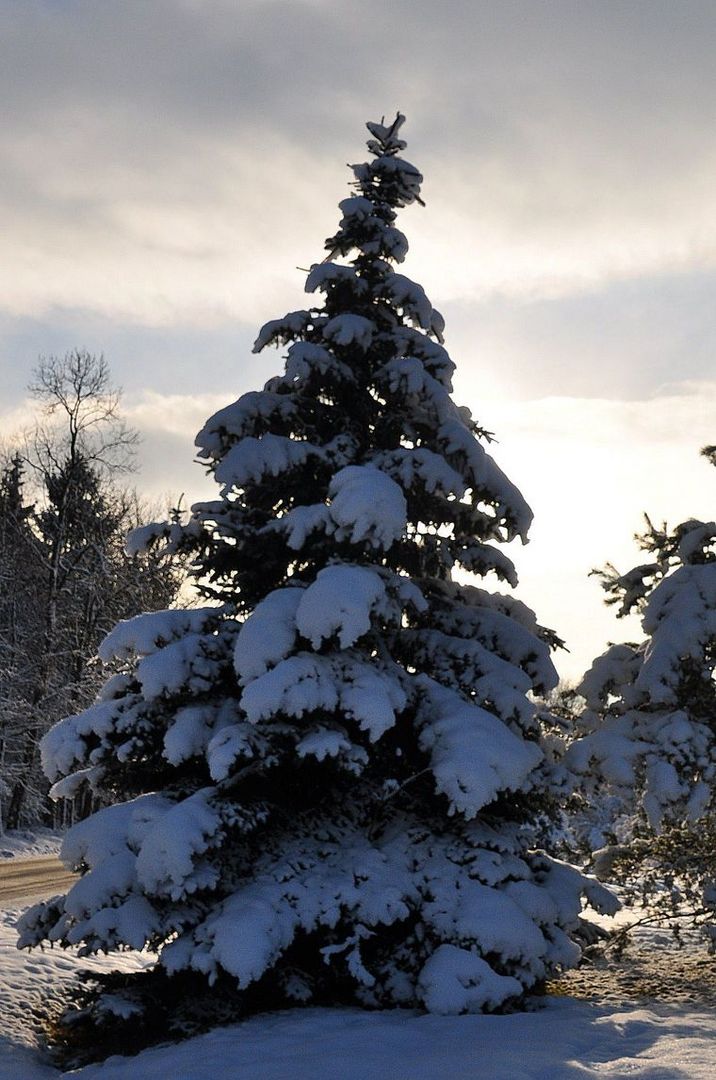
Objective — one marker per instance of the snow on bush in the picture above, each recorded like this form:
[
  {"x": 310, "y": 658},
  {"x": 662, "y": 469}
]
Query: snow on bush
[
  {"x": 647, "y": 751},
  {"x": 650, "y": 727}
]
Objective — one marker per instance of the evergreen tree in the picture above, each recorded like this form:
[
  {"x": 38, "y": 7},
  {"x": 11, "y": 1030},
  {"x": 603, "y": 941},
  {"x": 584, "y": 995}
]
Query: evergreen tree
[
  {"x": 329, "y": 771},
  {"x": 648, "y": 742},
  {"x": 21, "y": 566}
]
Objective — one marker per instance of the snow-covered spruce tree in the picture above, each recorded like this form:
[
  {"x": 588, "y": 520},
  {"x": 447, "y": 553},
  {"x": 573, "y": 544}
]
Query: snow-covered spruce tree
[
  {"x": 331, "y": 770},
  {"x": 648, "y": 743}
]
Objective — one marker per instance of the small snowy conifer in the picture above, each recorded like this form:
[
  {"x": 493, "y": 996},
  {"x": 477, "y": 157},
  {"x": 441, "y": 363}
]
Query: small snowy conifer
[
  {"x": 332, "y": 765},
  {"x": 649, "y": 728}
]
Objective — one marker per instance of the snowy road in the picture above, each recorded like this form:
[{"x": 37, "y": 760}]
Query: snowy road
[{"x": 22, "y": 880}]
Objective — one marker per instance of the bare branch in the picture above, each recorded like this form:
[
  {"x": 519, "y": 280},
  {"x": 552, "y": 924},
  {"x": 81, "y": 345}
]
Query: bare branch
[{"x": 80, "y": 417}]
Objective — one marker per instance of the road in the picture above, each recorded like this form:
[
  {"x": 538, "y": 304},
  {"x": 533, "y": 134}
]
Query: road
[{"x": 32, "y": 879}]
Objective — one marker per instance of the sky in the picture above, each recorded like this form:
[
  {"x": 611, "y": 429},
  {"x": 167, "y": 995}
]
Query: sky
[{"x": 166, "y": 168}]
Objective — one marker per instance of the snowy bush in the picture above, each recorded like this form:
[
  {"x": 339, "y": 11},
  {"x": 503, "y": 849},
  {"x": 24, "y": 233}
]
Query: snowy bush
[{"x": 328, "y": 775}]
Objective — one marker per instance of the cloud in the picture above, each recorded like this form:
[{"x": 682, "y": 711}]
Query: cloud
[
  {"x": 590, "y": 468},
  {"x": 166, "y": 167},
  {"x": 621, "y": 341},
  {"x": 178, "y": 159}
]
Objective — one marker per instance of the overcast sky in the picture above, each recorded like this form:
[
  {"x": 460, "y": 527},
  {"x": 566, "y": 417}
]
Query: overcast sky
[{"x": 168, "y": 164}]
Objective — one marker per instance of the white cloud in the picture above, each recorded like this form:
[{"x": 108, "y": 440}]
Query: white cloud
[
  {"x": 167, "y": 166},
  {"x": 590, "y": 468},
  {"x": 172, "y": 414},
  {"x": 177, "y": 160}
]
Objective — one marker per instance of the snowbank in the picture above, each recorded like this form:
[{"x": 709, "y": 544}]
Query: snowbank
[
  {"x": 565, "y": 1040},
  {"x": 28, "y": 843}
]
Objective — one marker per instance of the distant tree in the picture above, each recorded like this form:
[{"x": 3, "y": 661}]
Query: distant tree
[
  {"x": 330, "y": 777},
  {"x": 80, "y": 443},
  {"x": 21, "y": 568},
  {"x": 648, "y": 734},
  {"x": 63, "y": 555}
]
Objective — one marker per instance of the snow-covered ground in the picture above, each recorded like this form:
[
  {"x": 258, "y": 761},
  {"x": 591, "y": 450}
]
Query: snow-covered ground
[
  {"x": 27, "y": 843},
  {"x": 565, "y": 1040}
]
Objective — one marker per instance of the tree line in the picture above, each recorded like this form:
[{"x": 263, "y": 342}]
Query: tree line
[{"x": 65, "y": 575}]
